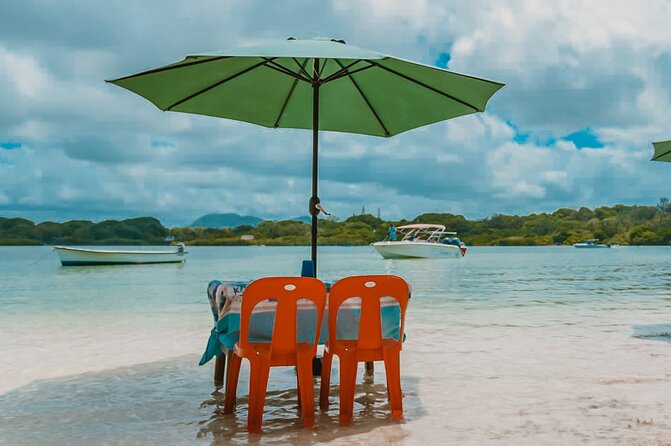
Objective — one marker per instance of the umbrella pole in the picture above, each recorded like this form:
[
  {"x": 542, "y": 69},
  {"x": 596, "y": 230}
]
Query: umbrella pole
[{"x": 314, "y": 200}]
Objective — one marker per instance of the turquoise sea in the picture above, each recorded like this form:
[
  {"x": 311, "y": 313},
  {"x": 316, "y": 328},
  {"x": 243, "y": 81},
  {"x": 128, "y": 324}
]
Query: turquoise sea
[{"x": 542, "y": 345}]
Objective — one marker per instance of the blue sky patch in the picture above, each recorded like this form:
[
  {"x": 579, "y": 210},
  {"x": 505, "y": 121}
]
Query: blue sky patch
[
  {"x": 581, "y": 138},
  {"x": 159, "y": 143},
  {"x": 443, "y": 59},
  {"x": 10, "y": 145},
  {"x": 584, "y": 138},
  {"x": 520, "y": 136}
]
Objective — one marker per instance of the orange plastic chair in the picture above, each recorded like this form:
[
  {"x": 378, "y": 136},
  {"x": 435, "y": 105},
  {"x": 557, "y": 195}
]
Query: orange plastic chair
[
  {"x": 283, "y": 350},
  {"x": 370, "y": 346}
]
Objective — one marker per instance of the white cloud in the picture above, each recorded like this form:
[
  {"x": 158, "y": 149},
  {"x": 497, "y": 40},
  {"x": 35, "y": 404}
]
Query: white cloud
[
  {"x": 555, "y": 176},
  {"x": 67, "y": 193},
  {"x": 23, "y": 72}
]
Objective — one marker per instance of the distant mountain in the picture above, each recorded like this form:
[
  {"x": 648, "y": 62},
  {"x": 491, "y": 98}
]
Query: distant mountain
[
  {"x": 233, "y": 220},
  {"x": 225, "y": 221}
]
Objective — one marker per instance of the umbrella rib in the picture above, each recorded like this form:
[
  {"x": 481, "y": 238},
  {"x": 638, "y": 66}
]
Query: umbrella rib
[
  {"x": 223, "y": 81},
  {"x": 302, "y": 67},
  {"x": 291, "y": 92},
  {"x": 360, "y": 69},
  {"x": 428, "y": 87},
  {"x": 288, "y": 73},
  {"x": 321, "y": 70},
  {"x": 285, "y": 70},
  {"x": 340, "y": 74},
  {"x": 370, "y": 106},
  {"x": 655, "y": 158},
  {"x": 172, "y": 67}
]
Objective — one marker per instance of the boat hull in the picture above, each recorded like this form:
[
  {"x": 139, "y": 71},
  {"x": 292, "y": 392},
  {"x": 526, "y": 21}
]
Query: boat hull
[
  {"x": 418, "y": 250},
  {"x": 82, "y": 257},
  {"x": 586, "y": 246}
]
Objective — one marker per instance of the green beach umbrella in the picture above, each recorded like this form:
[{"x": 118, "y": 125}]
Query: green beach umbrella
[
  {"x": 662, "y": 151},
  {"x": 316, "y": 84}
]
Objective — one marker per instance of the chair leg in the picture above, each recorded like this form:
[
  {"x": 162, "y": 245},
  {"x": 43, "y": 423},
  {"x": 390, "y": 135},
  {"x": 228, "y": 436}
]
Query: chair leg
[
  {"x": 369, "y": 372},
  {"x": 298, "y": 387},
  {"x": 258, "y": 383},
  {"x": 316, "y": 366},
  {"x": 219, "y": 367},
  {"x": 306, "y": 389},
  {"x": 229, "y": 360},
  {"x": 348, "y": 369},
  {"x": 393, "y": 371},
  {"x": 234, "y": 362},
  {"x": 325, "y": 385}
]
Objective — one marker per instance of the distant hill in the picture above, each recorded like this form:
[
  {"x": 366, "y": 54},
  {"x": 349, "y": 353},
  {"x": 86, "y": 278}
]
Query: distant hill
[
  {"x": 303, "y": 218},
  {"x": 232, "y": 220},
  {"x": 225, "y": 221},
  {"x": 132, "y": 231}
]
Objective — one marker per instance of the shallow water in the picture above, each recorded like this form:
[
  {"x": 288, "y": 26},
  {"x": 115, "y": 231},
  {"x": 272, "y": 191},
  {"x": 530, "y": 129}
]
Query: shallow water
[{"x": 506, "y": 346}]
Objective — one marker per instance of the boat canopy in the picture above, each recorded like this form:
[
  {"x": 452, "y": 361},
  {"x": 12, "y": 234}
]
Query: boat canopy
[{"x": 422, "y": 226}]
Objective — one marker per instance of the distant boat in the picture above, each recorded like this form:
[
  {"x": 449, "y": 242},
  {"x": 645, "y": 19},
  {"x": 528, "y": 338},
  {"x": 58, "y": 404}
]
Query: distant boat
[
  {"x": 80, "y": 256},
  {"x": 591, "y": 243},
  {"x": 422, "y": 241}
]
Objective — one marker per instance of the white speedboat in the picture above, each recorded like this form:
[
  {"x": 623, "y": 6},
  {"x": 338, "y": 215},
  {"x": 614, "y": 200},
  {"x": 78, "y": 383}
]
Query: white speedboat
[
  {"x": 81, "y": 256},
  {"x": 591, "y": 243},
  {"x": 422, "y": 241}
]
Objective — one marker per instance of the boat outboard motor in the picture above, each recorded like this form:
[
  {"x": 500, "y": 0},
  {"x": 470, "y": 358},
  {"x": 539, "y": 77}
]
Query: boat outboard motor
[{"x": 180, "y": 247}]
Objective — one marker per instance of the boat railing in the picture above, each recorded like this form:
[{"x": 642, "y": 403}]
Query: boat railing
[{"x": 434, "y": 236}]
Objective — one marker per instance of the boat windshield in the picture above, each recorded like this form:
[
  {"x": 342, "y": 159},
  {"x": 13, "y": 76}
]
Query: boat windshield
[{"x": 424, "y": 233}]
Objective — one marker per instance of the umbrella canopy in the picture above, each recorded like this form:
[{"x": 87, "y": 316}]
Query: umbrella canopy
[
  {"x": 317, "y": 84},
  {"x": 662, "y": 151}
]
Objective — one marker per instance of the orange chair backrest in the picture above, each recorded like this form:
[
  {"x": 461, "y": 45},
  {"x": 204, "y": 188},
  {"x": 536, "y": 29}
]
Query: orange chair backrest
[
  {"x": 370, "y": 289},
  {"x": 287, "y": 291}
]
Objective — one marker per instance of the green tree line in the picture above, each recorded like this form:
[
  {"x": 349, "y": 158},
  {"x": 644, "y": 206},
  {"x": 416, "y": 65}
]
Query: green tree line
[
  {"x": 619, "y": 224},
  {"x": 134, "y": 231}
]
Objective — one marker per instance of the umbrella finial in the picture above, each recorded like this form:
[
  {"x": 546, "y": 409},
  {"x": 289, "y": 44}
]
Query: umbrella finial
[{"x": 325, "y": 39}]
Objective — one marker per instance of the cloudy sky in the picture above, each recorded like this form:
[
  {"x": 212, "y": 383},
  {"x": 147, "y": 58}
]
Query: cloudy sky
[{"x": 586, "y": 91}]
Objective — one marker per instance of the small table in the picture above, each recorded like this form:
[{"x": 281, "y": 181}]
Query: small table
[{"x": 225, "y": 299}]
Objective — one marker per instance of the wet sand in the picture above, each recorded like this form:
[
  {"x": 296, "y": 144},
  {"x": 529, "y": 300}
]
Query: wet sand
[{"x": 502, "y": 384}]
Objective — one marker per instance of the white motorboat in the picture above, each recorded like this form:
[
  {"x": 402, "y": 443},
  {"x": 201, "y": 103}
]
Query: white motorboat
[
  {"x": 422, "y": 241},
  {"x": 591, "y": 243},
  {"x": 82, "y": 256}
]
